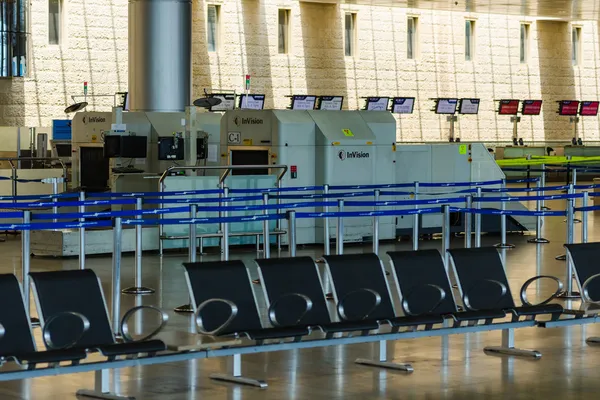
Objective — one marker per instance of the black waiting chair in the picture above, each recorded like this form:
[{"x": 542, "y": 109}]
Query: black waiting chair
[
  {"x": 484, "y": 286},
  {"x": 585, "y": 258},
  {"x": 17, "y": 342},
  {"x": 289, "y": 285},
  {"x": 225, "y": 305},
  {"x": 80, "y": 292},
  {"x": 424, "y": 288},
  {"x": 362, "y": 292}
]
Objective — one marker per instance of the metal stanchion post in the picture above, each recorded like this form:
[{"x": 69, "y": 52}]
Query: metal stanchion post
[
  {"x": 278, "y": 223},
  {"x": 14, "y": 182},
  {"x": 138, "y": 288},
  {"x": 468, "y": 223},
  {"x": 82, "y": 233},
  {"x": 116, "y": 274},
  {"x": 266, "y": 234},
  {"x": 187, "y": 308},
  {"x": 54, "y": 199},
  {"x": 538, "y": 221},
  {"x": 291, "y": 217},
  {"x": 446, "y": 234},
  {"x": 161, "y": 228},
  {"x": 584, "y": 218},
  {"x": 575, "y": 220},
  {"x": 376, "y": 226},
  {"x": 568, "y": 292},
  {"x": 415, "y": 232},
  {"x": 340, "y": 230},
  {"x": 543, "y": 184},
  {"x": 326, "y": 234},
  {"x": 503, "y": 244},
  {"x": 478, "y": 219},
  {"x": 225, "y": 240},
  {"x": 26, "y": 264}
]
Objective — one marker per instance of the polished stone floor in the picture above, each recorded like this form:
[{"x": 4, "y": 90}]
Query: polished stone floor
[{"x": 568, "y": 369}]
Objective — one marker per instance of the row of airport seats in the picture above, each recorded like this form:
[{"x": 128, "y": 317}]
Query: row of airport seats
[{"x": 75, "y": 320}]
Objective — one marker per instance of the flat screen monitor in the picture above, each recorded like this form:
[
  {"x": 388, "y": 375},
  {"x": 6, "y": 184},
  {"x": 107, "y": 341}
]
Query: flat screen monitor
[
  {"x": 568, "y": 107},
  {"x": 303, "y": 102},
  {"x": 509, "y": 107},
  {"x": 227, "y": 102},
  {"x": 170, "y": 148},
  {"x": 250, "y": 157},
  {"x": 589, "y": 108},
  {"x": 532, "y": 107},
  {"x": 469, "y": 106},
  {"x": 330, "y": 103},
  {"x": 446, "y": 106},
  {"x": 403, "y": 105},
  {"x": 377, "y": 103},
  {"x": 112, "y": 146},
  {"x": 252, "y": 102},
  {"x": 63, "y": 150},
  {"x": 134, "y": 146}
]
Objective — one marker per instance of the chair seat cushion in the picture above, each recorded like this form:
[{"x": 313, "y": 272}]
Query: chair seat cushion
[
  {"x": 477, "y": 315},
  {"x": 49, "y": 356},
  {"x": 350, "y": 326},
  {"x": 416, "y": 320},
  {"x": 277, "y": 333},
  {"x": 537, "y": 310},
  {"x": 123, "y": 349}
]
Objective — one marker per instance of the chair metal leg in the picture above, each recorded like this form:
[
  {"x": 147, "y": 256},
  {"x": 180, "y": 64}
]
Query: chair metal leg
[
  {"x": 508, "y": 347},
  {"x": 593, "y": 341},
  {"x": 237, "y": 377},
  {"x": 102, "y": 388},
  {"x": 382, "y": 362}
]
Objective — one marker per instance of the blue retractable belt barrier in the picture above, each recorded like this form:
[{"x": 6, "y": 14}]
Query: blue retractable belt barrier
[
  {"x": 208, "y": 220},
  {"x": 523, "y": 213},
  {"x": 452, "y": 184},
  {"x": 55, "y": 225},
  {"x": 157, "y": 194},
  {"x": 403, "y": 202},
  {"x": 40, "y": 197},
  {"x": 382, "y": 213},
  {"x": 199, "y": 201},
  {"x": 507, "y": 199},
  {"x": 542, "y": 189},
  {"x": 360, "y": 187},
  {"x": 278, "y": 190}
]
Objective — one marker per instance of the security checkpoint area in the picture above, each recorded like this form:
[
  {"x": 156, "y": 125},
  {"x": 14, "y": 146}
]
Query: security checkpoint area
[{"x": 276, "y": 211}]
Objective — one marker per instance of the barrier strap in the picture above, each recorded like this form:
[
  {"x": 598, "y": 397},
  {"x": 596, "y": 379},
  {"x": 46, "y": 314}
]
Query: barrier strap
[
  {"x": 55, "y": 225},
  {"x": 506, "y": 199},
  {"x": 350, "y": 214},
  {"x": 404, "y": 202},
  {"x": 324, "y": 195},
  {"x": 528, "y": 180},
  {"x": 522, "y": 213},
  {"x": 41, "y": 197},
  {"x": 208, "y": 220},
  {"x": 199, "y": 201},
  {"x": 542, "y": 189},
  {"x": 156, "y": 194},
  {"x": 110, "y": 214},
  {"x": 453, "y": 184},
  {"x": 359, "y": 187},
  {"x": 278, "y": 190}
]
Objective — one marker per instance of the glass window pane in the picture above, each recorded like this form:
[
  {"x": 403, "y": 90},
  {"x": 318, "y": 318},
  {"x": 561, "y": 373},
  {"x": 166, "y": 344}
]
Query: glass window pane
[
  {"x": 13, "y": 39},
  {"x": 349, "y": 34},
  {"x": 468, "y": 32},
  {"x": 523, "y": 43},
  {"x": 283, "y": 31},
  {"x": 410, "y": 38},
  {"x": 211, "y": 26},
  {"x": 53, "y": 21}
]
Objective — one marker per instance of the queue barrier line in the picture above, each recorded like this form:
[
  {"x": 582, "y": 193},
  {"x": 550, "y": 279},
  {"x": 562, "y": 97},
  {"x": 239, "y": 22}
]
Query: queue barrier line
[
  {"x": 383, "y": 186},
  {"x": 522, "y": 213},
  {"x": 279, "y": 190},
  {"x": 156, "y": 194},
  {"x": 110, "y": 214},
  {"x": 463, "y": 184},
  {"x": 200, "y": 201},
  {"x": 587, "y": 209},
  {"x": 536, "y": 189},
  {"x": 508, "y": 199},
  {"x": 324, "y": 195},
  {"x": 41, "y": 197},
  {"x": 55, "y": 225},
  {"x": 68, "y": 204},
  {"x": 204, "y": 220},
  {"x": 403, "y": 202}
]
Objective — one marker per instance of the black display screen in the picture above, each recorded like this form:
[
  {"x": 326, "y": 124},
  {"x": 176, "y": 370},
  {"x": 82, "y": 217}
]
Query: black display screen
[{"x": 250, "y": 157}]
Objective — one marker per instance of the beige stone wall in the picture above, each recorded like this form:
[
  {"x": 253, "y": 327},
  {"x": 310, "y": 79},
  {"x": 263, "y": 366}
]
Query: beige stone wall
[{"x": 96, "y": 51}]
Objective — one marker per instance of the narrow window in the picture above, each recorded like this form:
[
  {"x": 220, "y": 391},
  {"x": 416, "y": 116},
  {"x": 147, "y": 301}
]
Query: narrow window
[
  {"x": 14, "y": 37},
  {"x": 469, "y": 40},
  {"x": 54, "y": 21},
  {"x": 411, "y": 38},
  {"x": 576, "y": 45},
  {"x": 284, "y": 26},
  {"x": 524, "y": 43},
  {"x": 212, "y": 27},
  {"x": 350, "y": 35}
]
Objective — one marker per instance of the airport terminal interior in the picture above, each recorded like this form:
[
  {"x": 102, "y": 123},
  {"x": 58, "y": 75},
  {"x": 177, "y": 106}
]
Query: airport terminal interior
[{"x": 299, "y": 199}]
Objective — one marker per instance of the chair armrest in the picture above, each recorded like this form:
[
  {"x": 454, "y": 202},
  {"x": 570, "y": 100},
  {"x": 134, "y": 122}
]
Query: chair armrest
[
  {"x": 308, "y": 305},
  {"x": 502, "y": 286},
  {"x": 549, "y": 299},
  {"x": 441, "y": 293},
  {"x": 47, "y": 331},
  {"x": 584, "y": 290},
  {"x": 164, "y": 318},
  {"x": 216, "y": 332},
  {"x": 342, "y": 312}
]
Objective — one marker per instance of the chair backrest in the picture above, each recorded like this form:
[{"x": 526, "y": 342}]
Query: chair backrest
[
  {"x": 76, "y": 291},
  {"x": 17, "y": 336},
  {"x": 417, "y": 274},
  {"x": 284, "y": 278},
  {"x": 586, "y": 264},
  {"x": 351, "y": 274},
  {"x": 480, "y": 275},
  {"x": 225, "y": 280}
]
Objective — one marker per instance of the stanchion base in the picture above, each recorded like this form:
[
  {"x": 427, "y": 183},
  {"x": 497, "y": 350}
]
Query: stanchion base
[
  {"x": 320, "y": 260},
  {"x": 256, "y": 281},
  {"x": 186, "y": 308},
  {"x": 576, "y": 221},
  {"x": 504, "y": 246},
  {"x": 538, "y": 240},
  {"x": 567, "y": 295},
  {"x": 562, "y": 257},
  {"x": 138, "y": 290},
  {"x": 546, "y": 208}
]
